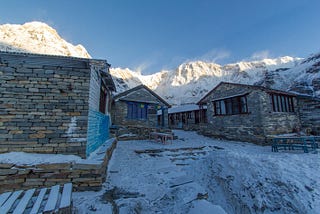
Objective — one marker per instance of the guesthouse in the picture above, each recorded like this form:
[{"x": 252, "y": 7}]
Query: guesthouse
[
  {"x": 186, "y": 116},
  {"x": 249, "y": 113},
  {"x": 138, "y": 107},
  {"x": 53, "y": 104}
]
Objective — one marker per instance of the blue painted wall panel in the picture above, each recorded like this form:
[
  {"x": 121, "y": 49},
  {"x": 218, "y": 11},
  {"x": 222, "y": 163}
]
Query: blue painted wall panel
[{"x": 98, "y": 130}]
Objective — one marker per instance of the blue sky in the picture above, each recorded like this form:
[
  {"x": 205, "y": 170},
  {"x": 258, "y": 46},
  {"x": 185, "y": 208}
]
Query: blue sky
[{"x": 150, "y": 35}]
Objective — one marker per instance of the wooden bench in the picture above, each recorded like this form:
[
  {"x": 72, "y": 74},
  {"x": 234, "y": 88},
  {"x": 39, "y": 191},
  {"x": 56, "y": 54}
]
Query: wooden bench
[
  {"x": 159, "y": 136},
  {"x": 57, "y": 199},
  {"x": 292, "y": 143}
]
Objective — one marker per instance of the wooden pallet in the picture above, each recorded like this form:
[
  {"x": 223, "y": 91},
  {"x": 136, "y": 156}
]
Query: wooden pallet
[{"x": 57, "y": 199}]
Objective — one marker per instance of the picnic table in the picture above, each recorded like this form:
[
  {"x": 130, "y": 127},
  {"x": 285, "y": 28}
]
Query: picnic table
[
  {"x": 56, "y": 199},
  {"x": 292, "y": 143},
  {"x": 160, "y": 136}
]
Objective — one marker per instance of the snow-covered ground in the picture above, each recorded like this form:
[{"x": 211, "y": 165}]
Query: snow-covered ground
[{"x": 196, "y": 174}]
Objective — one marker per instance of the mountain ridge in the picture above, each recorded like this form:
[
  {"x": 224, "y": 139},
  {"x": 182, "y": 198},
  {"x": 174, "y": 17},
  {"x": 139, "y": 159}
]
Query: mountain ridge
[{"x": 190, "y": 81}]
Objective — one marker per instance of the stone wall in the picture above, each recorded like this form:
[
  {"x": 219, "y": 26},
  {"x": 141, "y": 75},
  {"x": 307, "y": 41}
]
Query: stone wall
[
  {"x": 119, "y": 116},
  {"x": 44, "y": 108},
  {"x": 309, "y": 111},
  {"x": 254, "y": 126},
  {"x": 275, "y": 123},
  {"x": 48, "y": 104},
  {"x": 139, "y": 94},
  {"x": 84, "y": 176}
]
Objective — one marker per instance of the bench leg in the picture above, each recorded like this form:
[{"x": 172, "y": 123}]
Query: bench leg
[{"x": 274, "y": 148}]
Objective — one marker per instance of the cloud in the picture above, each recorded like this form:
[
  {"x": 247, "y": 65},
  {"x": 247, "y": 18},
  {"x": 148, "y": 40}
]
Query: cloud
[
  {"x": 259, "y": 55},
  {"x": 215, "y": 55},
  {"x": 143, "y": 66}
]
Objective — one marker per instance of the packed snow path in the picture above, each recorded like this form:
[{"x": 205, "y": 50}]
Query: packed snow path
[{"x": 196, "y": 174}]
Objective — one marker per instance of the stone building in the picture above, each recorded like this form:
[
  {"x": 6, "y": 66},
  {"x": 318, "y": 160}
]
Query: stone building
[
  {"x": 249, "y": 113},
  {"x": 309, "y": 113},
  {"x": 138, "y": 107},
  {"x": 186, "y": 116},
  {"x": 53, "y": 104}
]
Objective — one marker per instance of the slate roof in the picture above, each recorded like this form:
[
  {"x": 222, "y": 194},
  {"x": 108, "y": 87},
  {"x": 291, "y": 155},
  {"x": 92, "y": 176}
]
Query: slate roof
[
  {"x": 7, "y": 57},
  {"x": 123, "y": 94},
  {"x": 253, "y": 87}
]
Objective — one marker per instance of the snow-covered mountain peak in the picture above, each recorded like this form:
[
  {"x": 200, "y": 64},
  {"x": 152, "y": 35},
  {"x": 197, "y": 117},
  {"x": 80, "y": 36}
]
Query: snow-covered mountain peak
[
  {"x": 37, "y": 37},
  {"x": 186, "y": 84}
]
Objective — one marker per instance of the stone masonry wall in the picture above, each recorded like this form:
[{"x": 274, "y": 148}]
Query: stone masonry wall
[
  {"x": 309, "y": 111},
  {"x": 119, "y": 116},
  {"x": 275, "y": 123},
  {"x": 254, "y": 126},
  {"x": 43, "y": 108},
  {"x": 84, "y": 176},
  {"x": 244, "y": 127},
  {"x": 119, "y": 109}
]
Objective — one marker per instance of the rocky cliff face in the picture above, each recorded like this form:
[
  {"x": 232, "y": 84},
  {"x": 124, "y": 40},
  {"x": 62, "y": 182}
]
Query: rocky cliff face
[{"x": 190, "y": 81}]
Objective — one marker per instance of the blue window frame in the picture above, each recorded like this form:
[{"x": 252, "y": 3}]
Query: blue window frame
[{"x": 137, "y": 111}]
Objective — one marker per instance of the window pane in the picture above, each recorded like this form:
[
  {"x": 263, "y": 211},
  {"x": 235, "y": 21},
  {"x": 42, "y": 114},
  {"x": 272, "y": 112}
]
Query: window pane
[
  {"x": 291, "y": 104},
  {"x": 283, "y": 104},
  {"x": 275, "y": 103},
  {"x": 217, "y": 110},
  {"x": 287, "y": 104},
  {"x": 228, "y": 104},
  {"x": 223, "y": 107},
  {"x": 279, "y": 103},
  {"x": 130, "y": 110},
  {"x": 235, "y": 105}
]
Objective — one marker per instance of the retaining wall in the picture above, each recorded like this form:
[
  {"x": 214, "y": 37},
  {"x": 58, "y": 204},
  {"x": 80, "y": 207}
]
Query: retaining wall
[{"x": 84, "y": 176}]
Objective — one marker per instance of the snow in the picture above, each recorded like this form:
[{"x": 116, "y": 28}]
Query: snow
[
  {"x": 192, "y": 80},
  {"x": 37, "y": 37},
  {"x": 188, "y": 82},
  {"x": 196, "y": 174},
  {"x": 183, "y": 108},
  {"x": 23, "y": 158}
]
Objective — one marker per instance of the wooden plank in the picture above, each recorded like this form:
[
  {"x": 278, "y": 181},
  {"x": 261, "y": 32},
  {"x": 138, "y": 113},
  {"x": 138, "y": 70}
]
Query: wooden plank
[
  {"x": 37, "y": 204},
  {"x": 4, "y": 197},
  {"x": 66, "y": 196},
  {"x": 8, "y": 204},
  {"x": 24, "y": 202},
  {"x": 52, "y": 199}
]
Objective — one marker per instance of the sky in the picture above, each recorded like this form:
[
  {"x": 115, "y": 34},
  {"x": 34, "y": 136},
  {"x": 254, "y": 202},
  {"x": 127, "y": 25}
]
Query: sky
[{"x": 153, "y": 35}]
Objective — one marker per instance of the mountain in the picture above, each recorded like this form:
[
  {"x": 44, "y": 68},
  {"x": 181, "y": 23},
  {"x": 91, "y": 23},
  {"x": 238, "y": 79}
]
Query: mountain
[
  {"x": 302, "y": 79},
  {"x": 190, "y": 81},
  {"x": 37, "y": 37}
]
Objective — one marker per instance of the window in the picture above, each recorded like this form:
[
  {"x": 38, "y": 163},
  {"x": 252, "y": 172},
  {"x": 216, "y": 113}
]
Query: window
[
  {"x": 103, "y": 100},
  {"x": 137, "y": 111},
  {"x": 229, "y": 106},
  {"x": 282, "y": 103}
]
